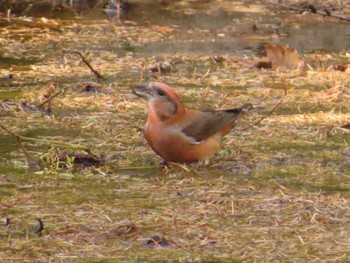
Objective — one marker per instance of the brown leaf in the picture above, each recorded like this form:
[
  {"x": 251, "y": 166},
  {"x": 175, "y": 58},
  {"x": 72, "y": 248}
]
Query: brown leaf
[
  {"x": 341, "y": 68},
  {"x": 263, "y": 64},
  {"x": 283, "y": 56},
  {"x": 346, "y": 126},
  {"x": 312, "y": 8}
]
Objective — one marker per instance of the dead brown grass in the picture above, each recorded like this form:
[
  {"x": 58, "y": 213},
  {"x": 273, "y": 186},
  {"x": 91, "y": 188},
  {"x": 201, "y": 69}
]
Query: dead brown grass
[{"x": 278, "y": 191}]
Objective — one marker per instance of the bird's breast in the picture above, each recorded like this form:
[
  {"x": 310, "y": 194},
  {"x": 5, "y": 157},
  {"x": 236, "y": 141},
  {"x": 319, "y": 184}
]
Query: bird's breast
[{"x": 170, "y": 143}]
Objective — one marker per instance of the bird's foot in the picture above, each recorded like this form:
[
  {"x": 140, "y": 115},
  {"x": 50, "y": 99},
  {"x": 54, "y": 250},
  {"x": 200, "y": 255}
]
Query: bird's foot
[
  {"x": 204, "y": 162},
  {"x": 163, "y": 163}
]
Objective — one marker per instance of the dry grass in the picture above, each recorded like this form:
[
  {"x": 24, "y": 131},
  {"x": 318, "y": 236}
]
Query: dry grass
[{"x": 278, "y": 191}]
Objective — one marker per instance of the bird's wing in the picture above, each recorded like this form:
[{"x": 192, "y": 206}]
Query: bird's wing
[{"x": 206, "y": 124}]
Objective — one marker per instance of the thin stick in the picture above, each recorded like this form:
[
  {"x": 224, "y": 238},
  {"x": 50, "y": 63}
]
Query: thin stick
[
  {"x": 233, "y": 206},
  {"x": 49, "y": 99},
  {"x": 26, "y": 153},
  {"x": 98, "y": 75},
  {"x": 270, "y": 113},
  {"x": 205, "y": 75},
  {"x": 61, "y": 144},
  {"x": 31, "y": 161},
  {"x": 341, "y": 17}
]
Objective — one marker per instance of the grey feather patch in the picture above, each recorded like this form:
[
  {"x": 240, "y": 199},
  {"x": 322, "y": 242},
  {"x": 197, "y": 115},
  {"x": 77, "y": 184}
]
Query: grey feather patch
[{"x": 211, "y": 122}]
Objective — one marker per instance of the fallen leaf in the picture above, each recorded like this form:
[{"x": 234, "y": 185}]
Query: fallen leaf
[
  {"x": 312, "y": 8},
  {"x": 346, "y": 126},
  {"x": 263, "y": 64},
  {"x": 341, "y": 68}
]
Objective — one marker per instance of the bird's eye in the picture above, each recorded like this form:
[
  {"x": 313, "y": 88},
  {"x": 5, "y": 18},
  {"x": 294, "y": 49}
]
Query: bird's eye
[{"x": 160, "y": 92}]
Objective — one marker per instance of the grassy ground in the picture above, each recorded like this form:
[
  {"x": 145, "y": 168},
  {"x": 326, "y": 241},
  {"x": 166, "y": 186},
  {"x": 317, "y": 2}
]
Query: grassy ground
[{"x": 278, "y": 191}]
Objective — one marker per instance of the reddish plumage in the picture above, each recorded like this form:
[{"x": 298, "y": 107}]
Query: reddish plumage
[{"x": 178, "y": 134}]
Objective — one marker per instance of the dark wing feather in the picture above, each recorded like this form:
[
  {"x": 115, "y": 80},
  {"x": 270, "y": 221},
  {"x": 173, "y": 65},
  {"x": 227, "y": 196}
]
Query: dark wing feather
[{"x": 212, "y": 121}]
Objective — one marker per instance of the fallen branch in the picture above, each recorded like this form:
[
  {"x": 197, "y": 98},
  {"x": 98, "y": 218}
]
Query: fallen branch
[
  {"x": 98, "y": 75},
  {"x": 322, "y": 13},
  {"x": 49, "y": 142}
]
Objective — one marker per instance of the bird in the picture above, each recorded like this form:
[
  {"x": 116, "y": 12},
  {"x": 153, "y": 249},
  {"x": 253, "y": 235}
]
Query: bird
[{"x": 180, "y": 134}]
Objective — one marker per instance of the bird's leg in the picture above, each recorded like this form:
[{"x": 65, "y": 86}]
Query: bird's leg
[
  {"x": 163, "y": 163},
  {"x": 204, "y": 162}
]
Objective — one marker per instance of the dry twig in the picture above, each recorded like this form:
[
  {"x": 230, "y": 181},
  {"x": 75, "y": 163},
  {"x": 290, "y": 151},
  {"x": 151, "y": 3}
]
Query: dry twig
[
  {"x": 96, "y": 73},
  {"x": 270, "y": 113},
  {"x": 49, "y": 99}
]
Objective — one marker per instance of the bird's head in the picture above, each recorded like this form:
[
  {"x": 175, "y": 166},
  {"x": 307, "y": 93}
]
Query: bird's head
[{"x": 163, "y": 102}]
